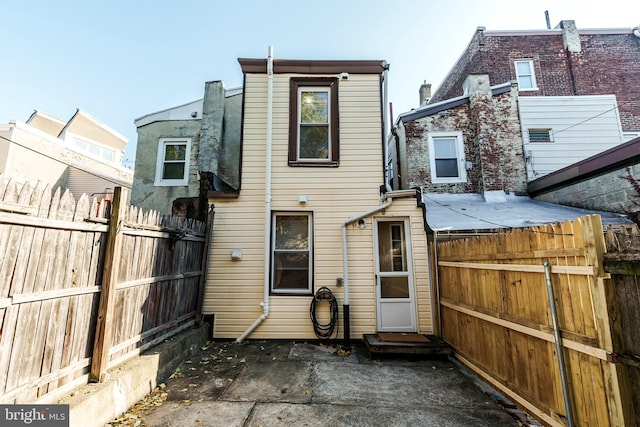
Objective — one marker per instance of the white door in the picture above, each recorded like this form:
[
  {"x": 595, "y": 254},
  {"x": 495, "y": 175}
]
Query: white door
[{"x": 394, "y": 277}]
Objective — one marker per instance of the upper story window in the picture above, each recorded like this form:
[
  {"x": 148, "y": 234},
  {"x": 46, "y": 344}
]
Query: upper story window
[
  {"x": 526, "y": 75},
  {"x": 172, "y": 167},
  {"x": 539, "y": 135},
  {"x": 95, "y": 150},
  {"x": 313, "y": 125},
  {"x": 291, "y": 259},
  {"x": 446, "y": 157}
]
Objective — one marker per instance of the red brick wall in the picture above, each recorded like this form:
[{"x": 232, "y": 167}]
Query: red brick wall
[{"x": 607, "y": 64}]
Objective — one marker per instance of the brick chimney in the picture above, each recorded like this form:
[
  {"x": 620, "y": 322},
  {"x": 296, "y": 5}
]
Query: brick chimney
[
  {"x": 425, "y": 93},
  {"x": 570, "y": 36}
]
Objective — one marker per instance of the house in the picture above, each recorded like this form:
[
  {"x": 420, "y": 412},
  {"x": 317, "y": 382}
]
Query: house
[
  {"x": 563, "y": 61},
  {"x": 467, "y": 156},
  {"x": 468, "y": 144},
  {"x": 313, "y": 219},
  {"x": 188, "y": 147},
  {"x": 575, "y": 96},
  {"x": 81, "y": 154}
]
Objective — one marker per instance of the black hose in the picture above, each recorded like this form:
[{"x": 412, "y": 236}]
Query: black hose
[{"x": 325, "y": 331}]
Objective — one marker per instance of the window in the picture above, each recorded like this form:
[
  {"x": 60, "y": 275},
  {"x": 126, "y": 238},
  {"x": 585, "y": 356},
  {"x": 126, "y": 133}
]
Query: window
[
  {"x": 447, "y": 157},
  {"x": 94, "y": 150},
  {"x": 313, "y": 127},
  {"x": 540, "y": 135},
  {"x": 526, "y": 75},
  {"x": 291, "y": 261},
  {"x": 172, "y": 167}
]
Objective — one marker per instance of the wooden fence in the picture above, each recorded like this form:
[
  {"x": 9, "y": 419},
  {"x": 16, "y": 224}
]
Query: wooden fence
[
  {"x": 622, "y": 261},
  {"x": 496, "y": 313},
  {"x": 79, "y": 296}
]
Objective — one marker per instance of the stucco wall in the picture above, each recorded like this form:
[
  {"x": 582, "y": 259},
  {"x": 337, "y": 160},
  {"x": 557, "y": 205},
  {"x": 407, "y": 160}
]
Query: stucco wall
[
  {"x": 608, "y": 192},
  {"x": 145, "y": 194}
]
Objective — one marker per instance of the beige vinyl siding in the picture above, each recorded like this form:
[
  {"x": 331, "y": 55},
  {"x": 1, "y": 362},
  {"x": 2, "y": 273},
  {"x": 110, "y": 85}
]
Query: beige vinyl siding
[{"x": 234, "y": 289}]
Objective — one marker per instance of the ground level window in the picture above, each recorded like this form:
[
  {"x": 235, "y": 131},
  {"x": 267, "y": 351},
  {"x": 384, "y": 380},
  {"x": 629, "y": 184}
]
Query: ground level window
[{"x": 291, "y": 263}]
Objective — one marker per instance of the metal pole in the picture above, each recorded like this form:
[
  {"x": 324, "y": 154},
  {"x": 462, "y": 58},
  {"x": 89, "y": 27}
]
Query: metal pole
[{"x": 558, "y": 339}]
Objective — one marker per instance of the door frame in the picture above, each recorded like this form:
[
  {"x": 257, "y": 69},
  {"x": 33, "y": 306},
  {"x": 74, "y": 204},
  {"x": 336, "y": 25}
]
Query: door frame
[{"x": 412, "y": 303}]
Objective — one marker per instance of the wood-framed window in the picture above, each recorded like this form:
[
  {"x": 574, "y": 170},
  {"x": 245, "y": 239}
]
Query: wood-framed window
[
  {"x": 292, "y": 253},
  {"x": 526, "y": 75},
  {"x": 446, "y": 157},
  {"x": 313, "y": 124},
  {"x": 172, "y": 165}
]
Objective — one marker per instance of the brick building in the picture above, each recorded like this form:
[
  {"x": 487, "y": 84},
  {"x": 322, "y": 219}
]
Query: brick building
[
  {"x": 467, "y": 144},
  {"x": 557, "y": 62}
]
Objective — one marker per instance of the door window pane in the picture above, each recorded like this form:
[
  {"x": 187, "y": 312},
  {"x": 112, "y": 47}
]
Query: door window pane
[
  {"x": 394, "y": 287},
  {"x": 391, "y": 247}
]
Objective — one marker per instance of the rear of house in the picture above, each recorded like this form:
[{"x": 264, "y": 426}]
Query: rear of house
[{"x": 313, "y": 211}]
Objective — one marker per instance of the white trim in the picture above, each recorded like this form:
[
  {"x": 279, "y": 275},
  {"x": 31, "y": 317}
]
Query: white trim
[
  {"x": 159, "y": 181},
  {"x": 462, "y": 171},
  {"x": 409, "y": 302},
  {"x": 532, "y": 70},
  {"x": 294, "y": 291}
]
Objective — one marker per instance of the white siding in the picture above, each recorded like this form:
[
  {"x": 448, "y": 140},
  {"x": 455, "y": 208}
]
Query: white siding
[
  {"x": 581, "y": 126},
  {"x": 235, "y": 289}
]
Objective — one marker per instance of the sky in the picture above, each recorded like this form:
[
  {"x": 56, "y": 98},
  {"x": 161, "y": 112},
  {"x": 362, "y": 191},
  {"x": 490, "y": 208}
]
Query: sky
[{"x": 119, "y": 60}]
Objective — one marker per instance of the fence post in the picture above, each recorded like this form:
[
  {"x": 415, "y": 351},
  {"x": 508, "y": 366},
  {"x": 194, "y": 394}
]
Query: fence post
[
  {"x": 205, "y": 262},
  {"x": 113, "y": 252},
  {"x": 619, "y": 401}
]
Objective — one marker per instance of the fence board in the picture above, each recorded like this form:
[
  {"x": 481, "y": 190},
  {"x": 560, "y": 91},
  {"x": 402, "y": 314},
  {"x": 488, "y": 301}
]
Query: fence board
[
  {"x": 495, "y": 313},
  {"x": 51, "y": 283}
]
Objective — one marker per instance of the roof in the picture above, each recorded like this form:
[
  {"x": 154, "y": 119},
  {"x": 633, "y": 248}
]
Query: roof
[
  {"x": 250, "y": 65},
  {"x": 470, "y": 212},
  {"x": 447, "y": 104},
  {"x": 625, "y": 154},
  {"x": 189, "y": 111}
]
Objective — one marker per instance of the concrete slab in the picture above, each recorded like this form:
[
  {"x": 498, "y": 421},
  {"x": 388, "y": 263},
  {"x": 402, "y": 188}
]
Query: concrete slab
[
  {"x": 276, "y": 383},
  {"x": 272, "y": 382}
]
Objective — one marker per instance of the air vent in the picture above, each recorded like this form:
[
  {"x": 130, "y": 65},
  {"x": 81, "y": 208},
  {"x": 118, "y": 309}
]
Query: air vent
[{"x": 540, "y": 135}]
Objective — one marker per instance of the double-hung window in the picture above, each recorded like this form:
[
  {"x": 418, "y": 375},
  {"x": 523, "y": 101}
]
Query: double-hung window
[
  {"x": 291, "y": 253},
  {"x": 526, "y": 75},
  {"x": 172, "y": 166},
  {"x": 446, "y": 157},
  {"x": 313, "y": 126}
]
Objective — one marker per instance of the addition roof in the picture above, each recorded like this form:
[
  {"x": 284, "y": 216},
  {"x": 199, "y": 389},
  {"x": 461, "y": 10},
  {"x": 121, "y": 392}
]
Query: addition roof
[{"x": 470, "y": 212}]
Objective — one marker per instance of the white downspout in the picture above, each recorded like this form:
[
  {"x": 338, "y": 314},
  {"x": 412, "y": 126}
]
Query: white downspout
[
  {"x": 267, "y": 202},
  {"x": 386, "y": 204}
]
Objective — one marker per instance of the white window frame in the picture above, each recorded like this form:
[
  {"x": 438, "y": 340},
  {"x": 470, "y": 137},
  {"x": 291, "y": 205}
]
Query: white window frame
[
  {"x": 532, "y": 74},
  {"x": 162, "y": 143},
  {"x": 462, "y": 170},
  {"x": 292, "y": 291},
  {"x": 328, "y": 125}
]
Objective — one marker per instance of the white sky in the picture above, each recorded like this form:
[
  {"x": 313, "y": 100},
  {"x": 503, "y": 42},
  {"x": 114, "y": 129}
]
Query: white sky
[{"x": 121, "y": 59}]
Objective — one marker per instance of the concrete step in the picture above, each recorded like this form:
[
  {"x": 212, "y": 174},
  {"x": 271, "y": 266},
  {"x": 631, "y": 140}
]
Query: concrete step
[{"x": 406, "y": 344}]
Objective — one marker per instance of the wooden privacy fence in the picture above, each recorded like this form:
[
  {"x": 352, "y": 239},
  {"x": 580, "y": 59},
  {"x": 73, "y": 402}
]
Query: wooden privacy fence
[
  {"x": 496, "y": 313},
  {"x": 622, "y": 261},
  {"x": 84, "y": 287}
]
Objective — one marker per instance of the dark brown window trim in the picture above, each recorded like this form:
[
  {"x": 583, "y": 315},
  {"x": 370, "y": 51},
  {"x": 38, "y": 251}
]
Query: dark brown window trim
[{"x": 294, "y": 84}]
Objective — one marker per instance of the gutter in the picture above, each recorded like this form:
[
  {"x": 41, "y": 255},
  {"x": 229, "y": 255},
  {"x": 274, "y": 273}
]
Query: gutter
[{"x": 267, "y": 202}]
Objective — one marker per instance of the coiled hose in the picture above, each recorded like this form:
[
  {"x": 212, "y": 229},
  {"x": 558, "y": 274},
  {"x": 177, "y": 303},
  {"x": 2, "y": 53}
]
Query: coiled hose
[{"x": 324, "y": 331}]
